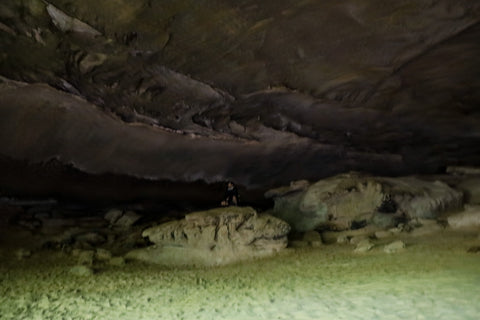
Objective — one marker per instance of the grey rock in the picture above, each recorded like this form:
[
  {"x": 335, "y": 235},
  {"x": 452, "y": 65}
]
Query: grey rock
[
  {"x": 469, "y": 218},
  {"x": 113, "y": 215},
  {"x": 22, "y": 253},
  {"x": 214, "y": 237},
  {"x": 384, "y": 220},
  {"x": 471, "y": 189},
  {"x": 81, "y": 271},
  {"x": 463, "y": 170},
  {"x": 127, "y": 219},
  {"x": 69, "y": 24},
  {"x": 42, "y": 215},
  {"x": 103, "y": 254},
  {"x": 30, "y": 224},
  {"x": 84, "y": 257},
  {"x": 342, "y": 239},
  {"x": 382, "y": 234},
  {"x": 345, "y": 236},
  {"x": 313, "y": 238},
  {"x": 421, "y": 227},
  {"x": 294, "y": 187},
  {"x": 395, "y": 246},
  {"x": 363, "y": 246},
  {"x": 358, "y": 239},
  {"x": 396, "y": 230},
  {"x": 117, "y": 261},
  {"x": 92, "y": 238}
]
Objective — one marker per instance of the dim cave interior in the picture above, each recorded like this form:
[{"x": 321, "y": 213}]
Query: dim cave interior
[{"x": 349, "y": 132}]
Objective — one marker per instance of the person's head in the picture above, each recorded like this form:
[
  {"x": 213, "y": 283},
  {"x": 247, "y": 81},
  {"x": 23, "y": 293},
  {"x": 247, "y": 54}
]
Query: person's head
[{"x": 230, "y": 185}]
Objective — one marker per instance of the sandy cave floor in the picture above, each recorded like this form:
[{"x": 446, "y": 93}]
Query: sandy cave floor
[{"x": 433, "y": 278}]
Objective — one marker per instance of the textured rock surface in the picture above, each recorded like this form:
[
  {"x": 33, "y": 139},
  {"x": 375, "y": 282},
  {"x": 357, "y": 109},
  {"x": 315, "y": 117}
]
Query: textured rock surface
[
  {"x": 339, "y": 201},
  {"x": 263, "y": 92},
  {"x": 395, "y": 246},
  {"x": 214, "y": 237},
  {"x": 469, "y": 218},
  {"x": 471, "y": 188},
  {"x": 363, "y": 246}
]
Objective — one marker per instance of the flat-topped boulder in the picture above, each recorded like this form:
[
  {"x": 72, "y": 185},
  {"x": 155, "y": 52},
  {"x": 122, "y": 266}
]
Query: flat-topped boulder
[{"x": 214, "y": 237}]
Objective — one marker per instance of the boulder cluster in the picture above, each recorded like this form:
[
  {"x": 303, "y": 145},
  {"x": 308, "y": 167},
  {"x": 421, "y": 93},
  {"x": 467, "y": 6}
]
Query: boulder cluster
[
  {"x": 360, "y": 209},
  {"x": 357, "y": 209}
]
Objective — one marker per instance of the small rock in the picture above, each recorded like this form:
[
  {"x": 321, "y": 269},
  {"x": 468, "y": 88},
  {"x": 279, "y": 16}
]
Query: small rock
[
  {"x": 469, "y": 218},
  {"x": 22, "y": 254},
  {"x": 358, "y": 239},
  {"x": 76, "y": 252},
  {"x": 342, "y": 239},
  {"x": 316, "y": 244},
  {"x": 117, "y": 261},
  {"x": 113, "y": 215},
  {"x": 30, "y": 224},
  {"x": 344, "y": 236},
  {"x": 426, "y": 230},
  {"x": 103, "y": 255},
  {"x": 396, "y": 230},
  {"x": 81, "y": 271},
  {"x": 384, "y": 220},
  {"x": 471, "y": 189},
  {"x": 394, "y": 247},
  {"x": 465, "y": 170},
  {"x": 127, "y": 220},
  {"x": 42, "y": 215},
  {"x": 363, "y": 246},
  {"x": 92, "y": 238},
  {"x": 382, "y": 234},
  {"x": 312, "y": 236},
  {"x": 85, "y": 257}
]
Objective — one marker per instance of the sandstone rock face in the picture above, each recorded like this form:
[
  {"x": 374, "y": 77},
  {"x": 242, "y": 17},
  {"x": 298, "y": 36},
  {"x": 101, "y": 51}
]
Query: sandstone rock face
[
  {"x": 338, "y": 202},
  {"x": 214, "y": 237}
]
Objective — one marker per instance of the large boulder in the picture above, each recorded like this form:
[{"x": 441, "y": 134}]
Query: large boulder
[
  {"x": 214, "y": 237},
  {"x": 353, "y": 200}
]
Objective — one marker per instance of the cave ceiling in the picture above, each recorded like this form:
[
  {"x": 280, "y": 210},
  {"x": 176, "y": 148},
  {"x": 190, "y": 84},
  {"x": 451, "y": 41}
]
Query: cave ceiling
[{"x": 261, "y": 92}]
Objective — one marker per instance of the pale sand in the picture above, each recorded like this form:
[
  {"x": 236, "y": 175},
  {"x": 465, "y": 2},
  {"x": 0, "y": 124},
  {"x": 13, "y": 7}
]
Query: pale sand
[{"x": 433, "y": 278}]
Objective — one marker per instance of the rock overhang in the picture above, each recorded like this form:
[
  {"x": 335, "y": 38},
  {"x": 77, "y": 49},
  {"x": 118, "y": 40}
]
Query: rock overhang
[{"x": 259, "y": 92}]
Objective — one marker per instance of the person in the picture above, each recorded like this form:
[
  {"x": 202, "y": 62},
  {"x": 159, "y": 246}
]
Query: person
[{"x": 231, "y": 195}]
